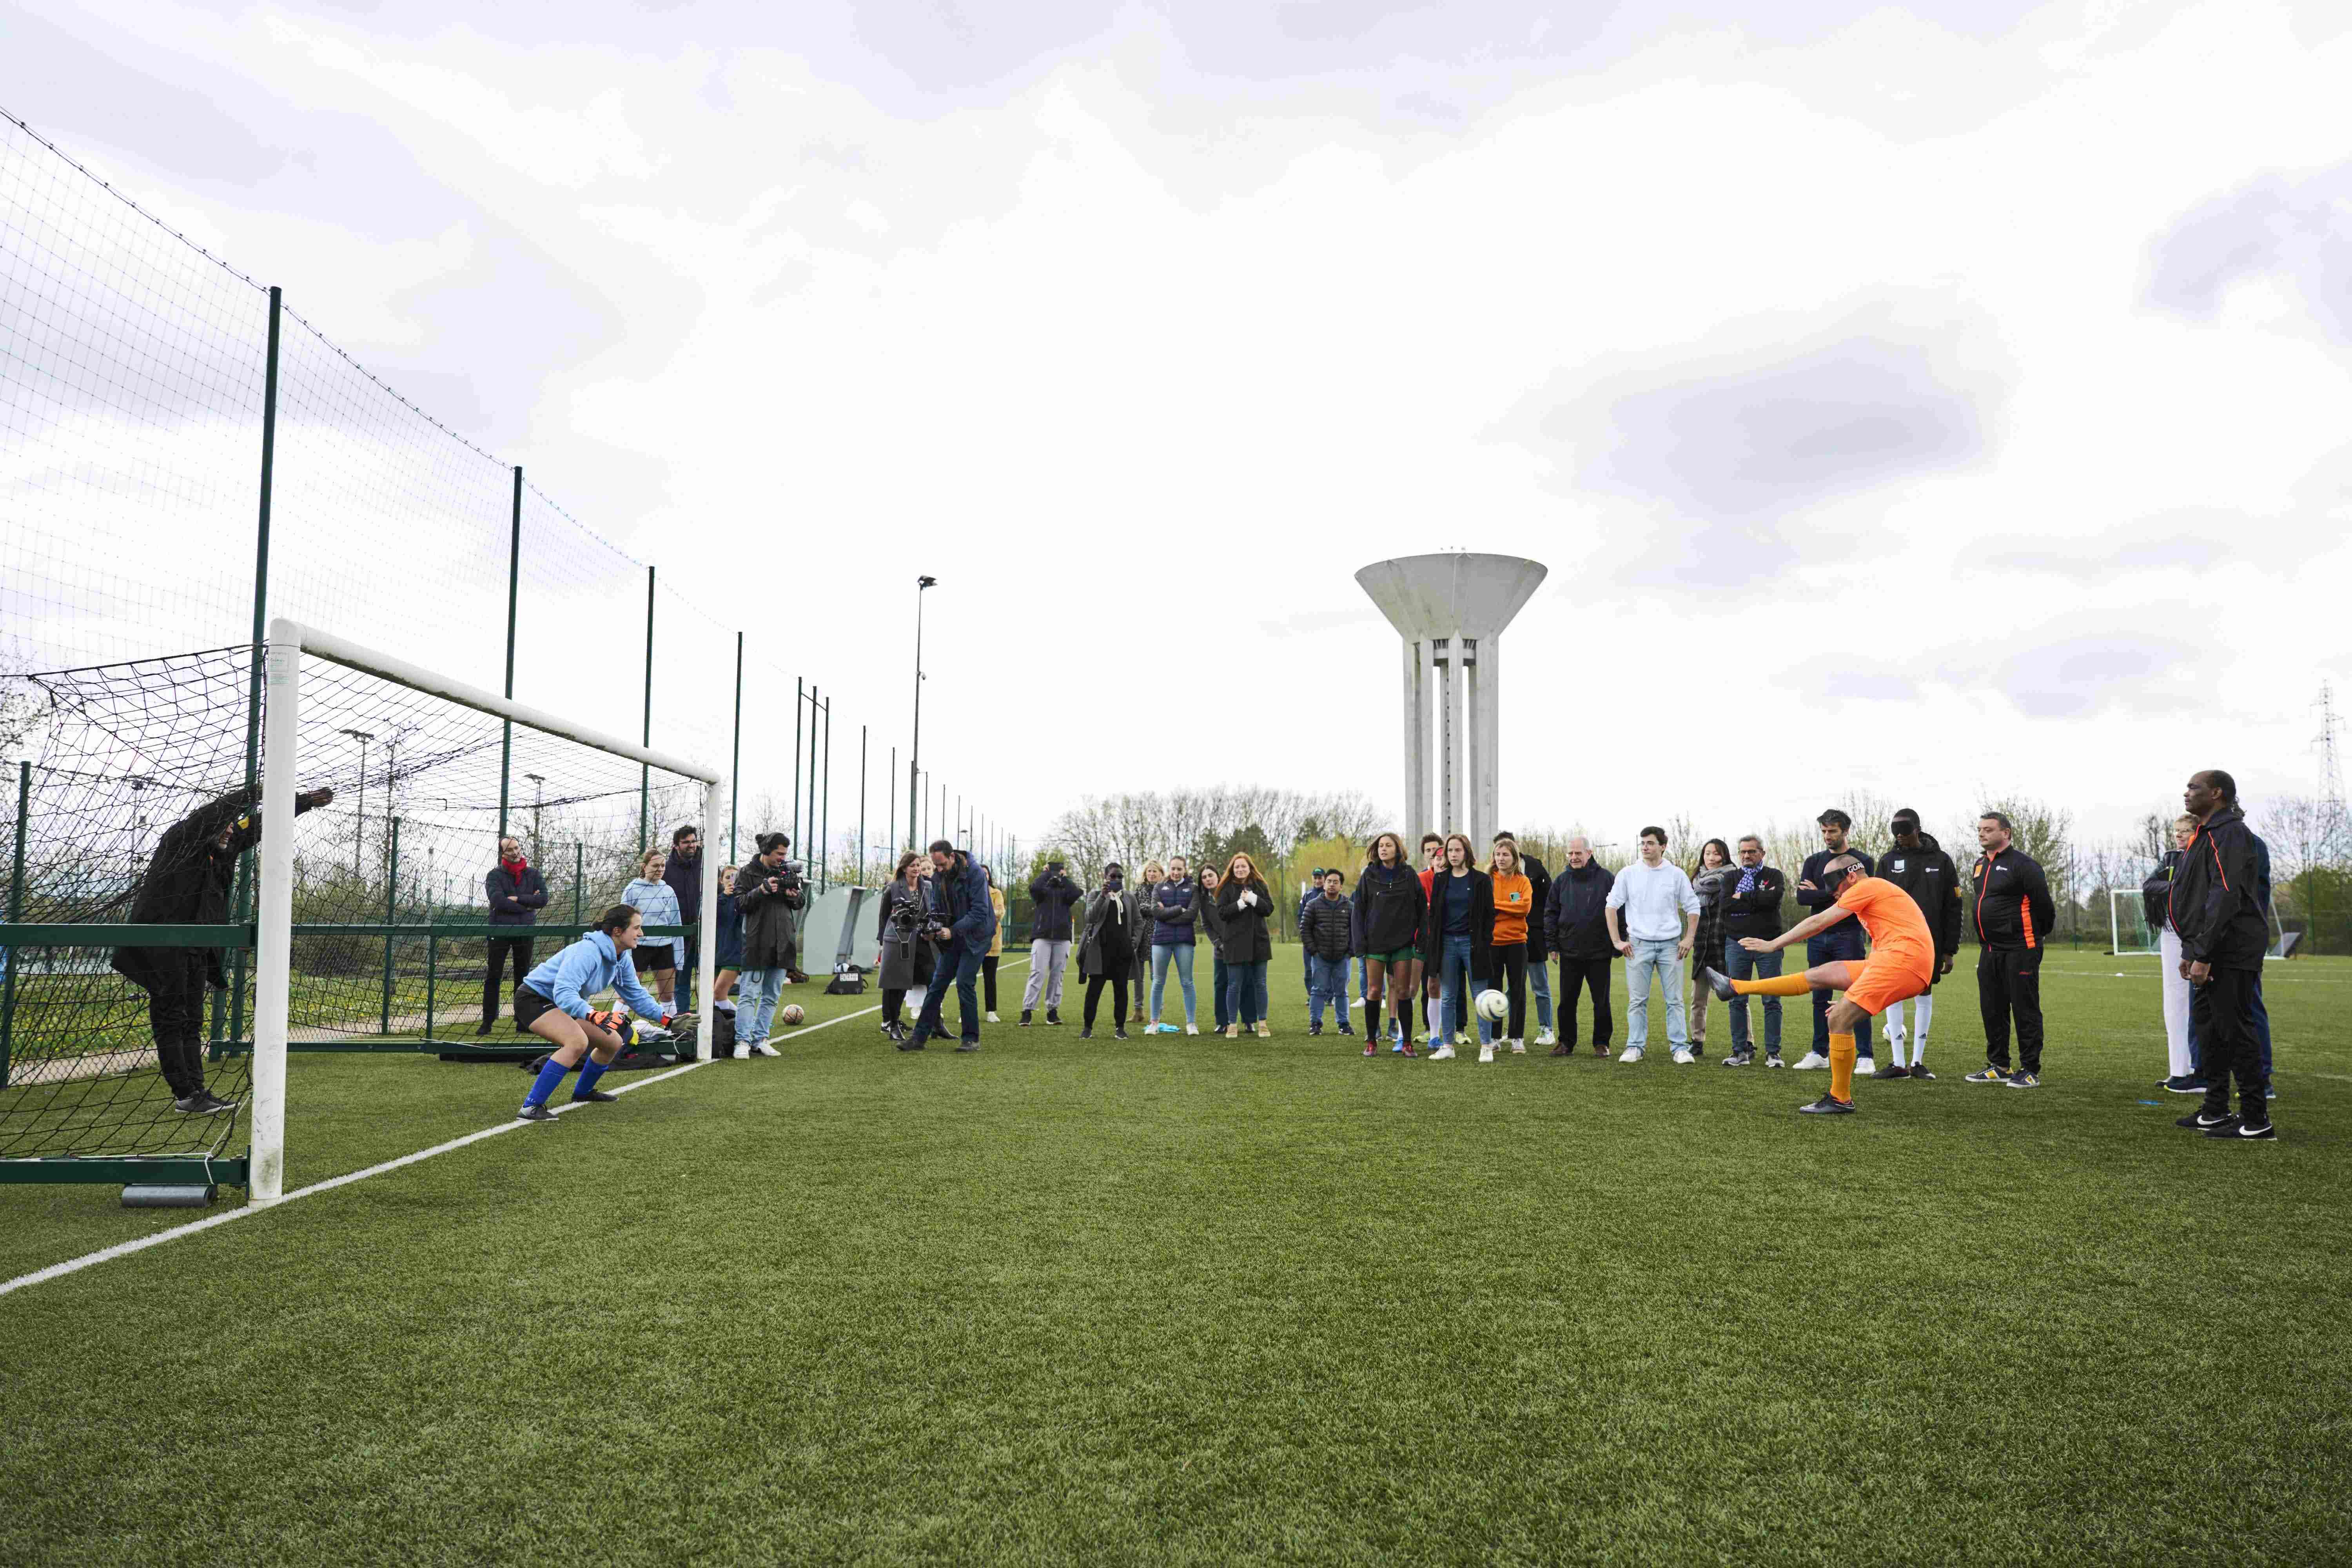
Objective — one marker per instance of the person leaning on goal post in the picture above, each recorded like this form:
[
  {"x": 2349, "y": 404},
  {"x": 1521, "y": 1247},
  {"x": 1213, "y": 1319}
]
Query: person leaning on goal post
[
  {"x": 1901, "y": 965},
  {"x": 187, "y": 883},
  {"x": 552, "y": 1002}
]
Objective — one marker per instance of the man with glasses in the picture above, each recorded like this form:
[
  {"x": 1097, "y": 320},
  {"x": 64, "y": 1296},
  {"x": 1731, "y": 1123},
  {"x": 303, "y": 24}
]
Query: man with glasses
[
  {"x": 683, "y": 871},
  {"x": 1751, "y": 903}
]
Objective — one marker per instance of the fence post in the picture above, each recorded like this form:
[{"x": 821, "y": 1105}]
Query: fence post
[
  {"x": 735, "y": 774},
  {"x": 14, "y": 956},
  {"x": 242, "y": 904},
  {"x": 645, "y": 771},
  {"x": 861, "y": 805},
  {"x": 391, "y": 917},
  {"x": 824, "y": 809},
  {"x": 800, "y": 697},
  {"x": 514, "y": 582},
  {"x": 578, "y": 875}
]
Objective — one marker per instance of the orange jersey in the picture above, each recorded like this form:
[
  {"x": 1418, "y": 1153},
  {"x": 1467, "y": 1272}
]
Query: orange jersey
[
  {"x": 1899, "y": 931},
  {"x": 1515, "y": 897}
]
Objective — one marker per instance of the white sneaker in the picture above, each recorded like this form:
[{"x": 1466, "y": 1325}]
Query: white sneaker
[
  {"x": 1546, "y": 1039},
  {"x": 1485, "y": 1053},
  {"x": 1191, "y": 1028},
  {"x": 994, "y": 1019},
  {"x": 1684, "y": 1059},
  {"x": 1633, "y": 1054},
  {"x": 741, "y": 1051},
  {"x": 1441, "y": 1054},
  {"x": 765, "y": 1049},
  {"x": 1519, "y": 1048},
  {"x": 1813, "y": 1060}
]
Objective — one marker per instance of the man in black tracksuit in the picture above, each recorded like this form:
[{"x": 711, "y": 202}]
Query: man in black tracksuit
[
  {"x": 1844, "y": 941},
  {"x": 1918, "y": 865},
  {"x": 2216, "y": 907},
  {"x": 1576, "y": 927},
  {"x": 2014, "y": 915}
]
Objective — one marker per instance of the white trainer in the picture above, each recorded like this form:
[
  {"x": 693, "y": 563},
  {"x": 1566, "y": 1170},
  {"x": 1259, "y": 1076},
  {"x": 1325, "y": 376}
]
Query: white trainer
[
  {"x": 994, "y": 1019},
  {"x": 1441, "y": 1054},
  {"x": 1191, "y": 1028},
  {"x": 1486, "y": 1053},
  {"x": 1684, "y": 1059},
  {"x": 741, "y": 1051},
  {"x": 1519, "y": 1048},
  {"x": 1633, "y": 1054},
  {"x": 1812, "y": 1062},
  {"x": 765, "y": 1049},
  {"x": 1546, "y": 1038}
]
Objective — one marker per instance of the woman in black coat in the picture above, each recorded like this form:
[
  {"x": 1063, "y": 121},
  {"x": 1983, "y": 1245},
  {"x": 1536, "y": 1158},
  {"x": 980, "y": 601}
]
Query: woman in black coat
[
  {"x": 1107, "y": 949},
  {"x": 905, "y": 961},
  {"x": 1458, "y": 936},
  {"x": 1391, "y": 909},
  {"x": 1244, "y": 902},
  {"x": 187, "y": 883}
]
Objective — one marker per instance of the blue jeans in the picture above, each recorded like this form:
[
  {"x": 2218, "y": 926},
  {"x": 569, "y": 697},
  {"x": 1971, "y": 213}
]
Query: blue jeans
[
  {"x": 1842, "y": 941},
  {"x": 2261, "y": 1035},
  {"x": 962, "y": 964},
  {"x": 756, "y": 991},
  {"x": 1540, "y": 981},
  {"x": 1454, "y": 1002},
  {"x": 1246, "y": 993},
  {"x": 1327, "y": 980},
  {"x": 1162, "y": 953},
  {"x": 1739, "y": 963},
  {"x": 1663, "y": 960}
]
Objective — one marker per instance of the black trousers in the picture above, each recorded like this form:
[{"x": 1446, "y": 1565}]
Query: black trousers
[
  {"x": 2221, "y": 1018},
  {"x": 1117, "y": 984},
  {"x": 175, "y": 1011},
  {"x": 500, "y": 949},
  {"x": 2009, "y": 983},
  {"x": 892, "y": 1003},
  {"x": 1511, "y": 969},
  {"x": 1589, "y": 974},
  {"x": 988, "y": 981}
]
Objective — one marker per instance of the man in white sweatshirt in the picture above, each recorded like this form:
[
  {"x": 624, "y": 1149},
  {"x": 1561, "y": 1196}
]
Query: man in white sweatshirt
[{"x": 1661, "y": 921}]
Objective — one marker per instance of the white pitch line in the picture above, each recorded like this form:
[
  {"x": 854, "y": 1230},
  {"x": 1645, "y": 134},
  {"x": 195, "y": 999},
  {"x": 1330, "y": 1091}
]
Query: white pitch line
[{"x": 125, "y": 1249}]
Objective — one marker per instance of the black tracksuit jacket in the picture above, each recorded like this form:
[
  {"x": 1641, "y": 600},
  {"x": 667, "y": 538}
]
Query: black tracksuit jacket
[
  {"x": 2013, "y": 908},
  {"x": 2216, "y": 903}
]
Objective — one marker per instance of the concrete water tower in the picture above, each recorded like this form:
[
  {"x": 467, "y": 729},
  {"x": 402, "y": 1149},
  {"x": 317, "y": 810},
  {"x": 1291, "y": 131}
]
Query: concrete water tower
[{"x": 1451, "y": 611}]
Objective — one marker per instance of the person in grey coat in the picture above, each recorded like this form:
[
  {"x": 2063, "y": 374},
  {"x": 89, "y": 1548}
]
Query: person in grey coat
[{"x": 905, "y": 961}]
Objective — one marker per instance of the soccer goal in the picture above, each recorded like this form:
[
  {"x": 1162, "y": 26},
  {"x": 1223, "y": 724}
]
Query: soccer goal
[
  {"x": 2127, "y": 926},
  {"x": 356, "y": 922}
]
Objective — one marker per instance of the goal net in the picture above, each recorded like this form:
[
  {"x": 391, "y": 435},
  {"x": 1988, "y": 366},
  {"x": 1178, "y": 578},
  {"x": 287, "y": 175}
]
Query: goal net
[
  {"x": 357, "y": 923},
  {"x": 2130, "y": 934}
]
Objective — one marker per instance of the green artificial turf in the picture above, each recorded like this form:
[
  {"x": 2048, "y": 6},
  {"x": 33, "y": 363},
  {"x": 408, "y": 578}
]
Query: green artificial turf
[{"x": 1191, "y": 1300}]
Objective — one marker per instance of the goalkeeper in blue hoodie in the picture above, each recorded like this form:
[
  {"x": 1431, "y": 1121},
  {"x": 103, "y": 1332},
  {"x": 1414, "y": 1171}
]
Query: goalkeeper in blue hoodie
[{"x": 552, "y": 1002}]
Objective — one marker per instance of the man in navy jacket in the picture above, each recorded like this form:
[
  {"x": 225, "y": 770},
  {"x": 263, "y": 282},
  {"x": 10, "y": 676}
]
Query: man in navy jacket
[{"x": 963, "y": 923}]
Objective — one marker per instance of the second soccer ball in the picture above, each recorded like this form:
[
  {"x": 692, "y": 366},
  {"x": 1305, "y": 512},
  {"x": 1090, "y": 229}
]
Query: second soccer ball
[{"x": 1493, "y": 1005}]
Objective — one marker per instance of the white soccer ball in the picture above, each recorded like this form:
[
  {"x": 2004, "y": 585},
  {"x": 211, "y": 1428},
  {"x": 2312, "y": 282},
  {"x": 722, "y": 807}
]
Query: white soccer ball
[{"x": 1493, "y": 1005}]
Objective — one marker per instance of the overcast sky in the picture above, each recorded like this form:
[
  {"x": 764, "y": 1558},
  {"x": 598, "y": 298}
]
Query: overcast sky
[{"x": 1933, "y": 399}]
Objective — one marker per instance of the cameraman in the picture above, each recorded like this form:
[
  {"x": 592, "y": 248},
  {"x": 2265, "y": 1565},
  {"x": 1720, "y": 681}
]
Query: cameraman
[
  {"x": 767, "y": 892},
  {"x": 1053, "y": 894},
  {"x": 963, "y": 923}
]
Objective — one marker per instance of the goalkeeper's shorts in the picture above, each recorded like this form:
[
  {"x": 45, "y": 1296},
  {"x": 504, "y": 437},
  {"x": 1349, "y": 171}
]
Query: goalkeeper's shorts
[{"x": 529, "y": 1005}]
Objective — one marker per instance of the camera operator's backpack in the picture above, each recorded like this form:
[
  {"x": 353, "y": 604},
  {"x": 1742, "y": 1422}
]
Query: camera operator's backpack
[{"x": 722, "y": 1031}]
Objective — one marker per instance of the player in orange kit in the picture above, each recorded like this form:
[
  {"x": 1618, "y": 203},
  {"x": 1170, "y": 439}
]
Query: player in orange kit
[{"x": 1902, "y": 964}]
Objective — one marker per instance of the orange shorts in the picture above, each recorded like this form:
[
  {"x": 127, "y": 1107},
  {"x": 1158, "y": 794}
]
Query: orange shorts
[{"x": 1885, "y": 977}]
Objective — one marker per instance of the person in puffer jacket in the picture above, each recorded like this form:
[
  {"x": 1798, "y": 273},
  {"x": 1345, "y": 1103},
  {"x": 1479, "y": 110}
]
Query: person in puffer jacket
[
  {"x": 1327, "y": 930},
  {"x": 1391, "y": 906}
]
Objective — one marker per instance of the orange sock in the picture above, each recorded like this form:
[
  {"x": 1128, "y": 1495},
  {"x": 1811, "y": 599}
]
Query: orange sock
[
  {"x": 1773, "y": 985},
  {"x": 1842, "y": 1053}
]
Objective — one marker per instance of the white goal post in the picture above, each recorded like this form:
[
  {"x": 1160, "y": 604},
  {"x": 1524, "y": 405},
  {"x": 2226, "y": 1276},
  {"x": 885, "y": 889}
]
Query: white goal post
[{"x": 280, "y": 782}]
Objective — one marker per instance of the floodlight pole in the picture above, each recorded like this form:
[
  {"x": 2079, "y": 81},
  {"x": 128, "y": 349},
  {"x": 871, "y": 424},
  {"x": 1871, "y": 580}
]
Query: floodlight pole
[
  {"x": 735, "y": 769},
  {"x": 915, "y": 757},
  {"x": 644, "y": 772},
  {"x": 514, "y": 583},
  {"x": 359, "y": 833}
]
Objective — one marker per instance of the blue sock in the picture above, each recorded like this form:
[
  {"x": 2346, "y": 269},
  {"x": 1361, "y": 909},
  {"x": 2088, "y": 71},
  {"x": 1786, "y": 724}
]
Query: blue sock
[
  {"x": 591, "y": 1069},
  {"x": 544, "y": 1084}
]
